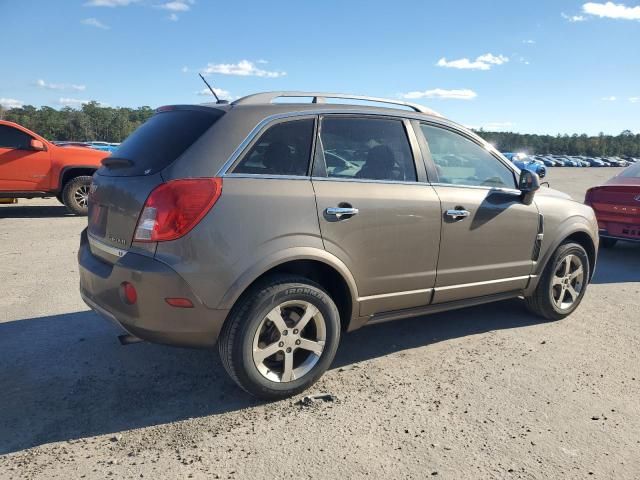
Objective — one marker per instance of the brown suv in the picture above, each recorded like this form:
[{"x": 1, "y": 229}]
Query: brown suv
[{"x": 271, "y": 228}]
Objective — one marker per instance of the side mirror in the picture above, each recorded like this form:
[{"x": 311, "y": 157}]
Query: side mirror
[
  {"x": 528, "y": 184},
  {"x": 37, "y": 145}
]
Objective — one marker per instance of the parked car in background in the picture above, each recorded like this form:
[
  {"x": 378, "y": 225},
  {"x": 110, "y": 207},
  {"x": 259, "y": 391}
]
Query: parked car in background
[
  {"x": 104, "y": 146},
  {"x": 617, "y": 206},
  {"x": 524, "y": 162},
  {"x": 227, "y": 223},
  {"x": 31, "y": 167}
]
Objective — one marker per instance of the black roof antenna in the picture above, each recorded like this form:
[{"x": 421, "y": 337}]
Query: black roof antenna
[{"x": 212, "y": 91}]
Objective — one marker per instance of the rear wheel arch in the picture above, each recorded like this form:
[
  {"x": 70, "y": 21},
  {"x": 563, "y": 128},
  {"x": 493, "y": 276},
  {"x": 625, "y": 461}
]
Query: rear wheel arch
[
  {"x": 342, "y": 290},
  {"x": 69, "y": 173}
]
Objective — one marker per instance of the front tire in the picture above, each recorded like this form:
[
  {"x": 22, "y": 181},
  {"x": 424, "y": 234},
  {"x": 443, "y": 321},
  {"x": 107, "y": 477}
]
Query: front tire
[
  {"x": 75, "y": 195},
  {"x": 281, "y": 338},
  {"x": 563, "y": 283}
]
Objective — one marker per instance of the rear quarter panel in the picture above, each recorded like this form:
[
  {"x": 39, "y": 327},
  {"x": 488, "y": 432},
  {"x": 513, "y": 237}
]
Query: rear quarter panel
[{"x": 248, "y": 229}]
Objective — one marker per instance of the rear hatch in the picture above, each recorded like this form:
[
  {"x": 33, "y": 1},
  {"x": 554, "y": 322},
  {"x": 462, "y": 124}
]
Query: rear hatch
[{"x": 125, "y": 180}]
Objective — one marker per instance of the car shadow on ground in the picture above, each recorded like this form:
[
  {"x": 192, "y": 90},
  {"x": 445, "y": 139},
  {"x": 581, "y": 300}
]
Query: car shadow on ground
[
  {"x": 65, "y": 377},
  {"x": 34, "y": 211},
  {"x": 620, "y": 264}
]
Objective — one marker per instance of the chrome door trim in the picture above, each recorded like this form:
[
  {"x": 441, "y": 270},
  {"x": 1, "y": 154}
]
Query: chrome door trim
[
  {"x": 512, "y": 191},
  {"x": 486, "y": 282},
  {"x": 394, "y": 294}
]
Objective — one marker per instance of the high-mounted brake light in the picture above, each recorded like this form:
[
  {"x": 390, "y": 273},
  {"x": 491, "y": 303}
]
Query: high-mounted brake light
[{"x": 174, "y": 208}]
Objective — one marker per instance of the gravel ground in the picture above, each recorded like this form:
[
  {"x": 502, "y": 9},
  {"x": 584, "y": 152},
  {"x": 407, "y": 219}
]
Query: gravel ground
[{"x": 486, "y": 392}]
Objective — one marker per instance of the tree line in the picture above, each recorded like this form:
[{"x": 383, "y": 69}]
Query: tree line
[{"x": 96, "y": 122}]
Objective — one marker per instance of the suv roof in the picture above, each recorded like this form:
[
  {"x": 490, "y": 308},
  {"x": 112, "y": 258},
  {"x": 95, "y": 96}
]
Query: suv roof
[{"x": 318, "y": 101}]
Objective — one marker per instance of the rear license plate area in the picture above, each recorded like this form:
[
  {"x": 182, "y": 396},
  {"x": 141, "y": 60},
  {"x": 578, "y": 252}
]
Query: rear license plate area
[{"x": 98, "y": 219}]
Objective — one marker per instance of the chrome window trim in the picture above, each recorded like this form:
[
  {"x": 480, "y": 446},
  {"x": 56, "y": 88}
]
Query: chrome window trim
[
  {"x": 366, "y": 180},
  {"x": 486, "y": 282},
  {"x": 479, "y": 187},
  {"x": 222, "y": 171},
  {"x": 267, "y": 177},
  {"x": 116, "y": 252}
]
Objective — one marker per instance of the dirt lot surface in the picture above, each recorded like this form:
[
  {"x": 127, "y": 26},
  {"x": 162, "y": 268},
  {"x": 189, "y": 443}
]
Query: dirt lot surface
[{"x": 487, "y": 392}]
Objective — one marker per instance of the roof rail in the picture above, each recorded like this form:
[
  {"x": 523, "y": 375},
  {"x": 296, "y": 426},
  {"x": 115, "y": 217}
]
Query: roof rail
[{"x": 320, "y": 97}]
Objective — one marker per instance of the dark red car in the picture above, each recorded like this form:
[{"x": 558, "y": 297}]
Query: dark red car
[{"x": 617, "y": 207}]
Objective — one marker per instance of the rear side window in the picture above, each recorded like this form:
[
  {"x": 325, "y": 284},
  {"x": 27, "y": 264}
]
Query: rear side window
[
  {"x": 161, "y": 140},
  {"x": 284, "y": 149},
  {"x": 13, "y": 138},
  {"x": 366, "y": 148}
]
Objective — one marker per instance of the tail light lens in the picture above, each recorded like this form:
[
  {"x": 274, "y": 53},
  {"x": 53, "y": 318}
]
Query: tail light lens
[
  {"x": 174, "y": 208},
  {"x": 588, "y": 198}
]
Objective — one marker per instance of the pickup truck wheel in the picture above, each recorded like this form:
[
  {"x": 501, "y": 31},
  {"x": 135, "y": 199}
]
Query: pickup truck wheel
[
  {"x": 282, "y": 337},
  {"x": 75, "y": 194},
  {"x": 563, "y": 283}
]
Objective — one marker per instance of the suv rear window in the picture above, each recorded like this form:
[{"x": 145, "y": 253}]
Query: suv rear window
[{"x": 160, "y": 140}]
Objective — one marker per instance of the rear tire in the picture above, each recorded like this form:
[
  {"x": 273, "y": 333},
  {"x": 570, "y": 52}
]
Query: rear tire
[
  {"x": 563, "y": 283},
  {"x": 75, "y": 195},
  {"x": 260, "y": 346},
  {"x": 608, "y": 242}
]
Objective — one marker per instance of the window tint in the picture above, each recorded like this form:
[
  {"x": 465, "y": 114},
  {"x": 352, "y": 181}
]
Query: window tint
[
  {"x": 367, "y": 148},
  {"x": 284, "y": 149},
  {"x": 460, "y": 161},
  {"x": 13, "y": 138},
  {"x": 161, "y": 140}
]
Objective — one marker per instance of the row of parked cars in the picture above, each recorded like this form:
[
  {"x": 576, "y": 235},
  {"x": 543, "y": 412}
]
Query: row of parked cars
[{"x": 96, "y": 145}]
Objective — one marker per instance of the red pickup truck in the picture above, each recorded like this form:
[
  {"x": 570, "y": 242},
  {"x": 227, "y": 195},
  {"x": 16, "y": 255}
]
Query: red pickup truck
[{"x": 31, "y": 167}]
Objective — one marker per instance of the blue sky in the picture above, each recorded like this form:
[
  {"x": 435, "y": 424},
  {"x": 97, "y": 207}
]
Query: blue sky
[{"x": 544, "y": 66}]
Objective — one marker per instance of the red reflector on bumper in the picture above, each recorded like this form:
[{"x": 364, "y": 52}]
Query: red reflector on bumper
[{"x": 179, "y": 302}]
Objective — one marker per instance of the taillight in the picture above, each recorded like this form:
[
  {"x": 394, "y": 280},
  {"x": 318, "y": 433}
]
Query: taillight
[
  {"x": 174, "y": 208},
  {"x": 588, "y": 198}
]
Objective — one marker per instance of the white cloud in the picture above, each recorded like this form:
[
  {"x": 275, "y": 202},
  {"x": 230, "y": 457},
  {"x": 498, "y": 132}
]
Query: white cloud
[
  {"x": 185, "y": 69},
  {"x": 634, "y": 99},
  {"x": 243, "y": 68},
  {"x": 609, "y": 99},
  {"x": 483, "y": 62},
  {"x": 10, "y": 103},
  {"x": 71, "y": 102},
  {"x": 461, "y": 94},
  {"x": 173, "y": 17},
  {"x": 612, "y": 10},
  {"x": 205, "y": 92},
  {"x": 573, "y": 18},
  {"x": 94, "y": 22},
  {"x": 176, "y": 6},
  {"x": 60, "y": 86},
  {"x": 109, "y": 3},
  {"x": 529, "y": 42}
]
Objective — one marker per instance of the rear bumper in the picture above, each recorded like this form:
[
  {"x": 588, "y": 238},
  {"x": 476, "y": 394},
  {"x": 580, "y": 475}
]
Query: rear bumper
[{"x": 150, "y": 318}]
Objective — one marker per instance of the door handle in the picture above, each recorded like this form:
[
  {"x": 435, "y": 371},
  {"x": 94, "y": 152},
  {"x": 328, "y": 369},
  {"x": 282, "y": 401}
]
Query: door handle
[
  {"x": 457, "y": 214},
  {"x": 340, "y": 212}
]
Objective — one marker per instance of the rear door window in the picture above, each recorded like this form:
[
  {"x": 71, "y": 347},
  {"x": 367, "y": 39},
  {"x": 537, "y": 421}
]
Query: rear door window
[
  {"x": 161, "y": 140},
  {"x": 367, "y": 149},
  {"x": 284, "y": 149}
]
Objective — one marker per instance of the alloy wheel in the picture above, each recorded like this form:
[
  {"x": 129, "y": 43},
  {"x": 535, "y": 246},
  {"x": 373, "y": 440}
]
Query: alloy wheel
[
  {"x": 567, "y": 282},
  {"x": 81, "y": 195},
  {"x": 289, "y": 341}
]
